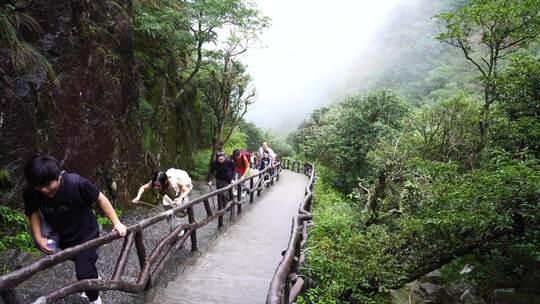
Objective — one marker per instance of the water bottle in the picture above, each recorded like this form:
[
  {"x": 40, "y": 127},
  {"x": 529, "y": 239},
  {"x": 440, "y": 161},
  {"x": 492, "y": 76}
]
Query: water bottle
[{"x": 51, "y": 244}]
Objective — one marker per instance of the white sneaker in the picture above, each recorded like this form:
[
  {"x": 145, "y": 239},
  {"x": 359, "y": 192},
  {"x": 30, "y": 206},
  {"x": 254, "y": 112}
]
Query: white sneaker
[
  {"x": 97, "y": 301},
  {"x": 83, "y": 294}
]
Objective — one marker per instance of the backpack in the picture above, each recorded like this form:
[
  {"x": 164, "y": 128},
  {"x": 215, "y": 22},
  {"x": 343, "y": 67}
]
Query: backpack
[{"x": 247, "y": 154}]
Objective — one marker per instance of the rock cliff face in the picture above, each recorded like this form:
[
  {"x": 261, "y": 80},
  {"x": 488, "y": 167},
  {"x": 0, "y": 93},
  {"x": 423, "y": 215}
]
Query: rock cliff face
[{"x": 86, "y": 116}]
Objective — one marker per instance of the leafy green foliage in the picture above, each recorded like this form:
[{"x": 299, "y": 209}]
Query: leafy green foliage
[
  {"x": 447, "y": 131},
  {"x": 341, "y": 259},
  {"x": 340, "y": 137},
  {"x": 201, "y": 157},
  {"x": 14, "y": 231},
  {"x": 200, "y": 164},
  {"x": 490, "y": 28},
  {"x": 486, "y": 31},
  {"x": 195, "y": 90},
  {"x": 517, "y": 118},
  {"x": 254, "y": 135},
  {"x": 404, "y": 191},
  {"x": 103, "y": 220}
]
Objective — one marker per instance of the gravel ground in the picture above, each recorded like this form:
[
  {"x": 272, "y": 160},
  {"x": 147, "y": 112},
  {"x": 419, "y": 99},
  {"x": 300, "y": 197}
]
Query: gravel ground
[{"x": 64, "y": 273}]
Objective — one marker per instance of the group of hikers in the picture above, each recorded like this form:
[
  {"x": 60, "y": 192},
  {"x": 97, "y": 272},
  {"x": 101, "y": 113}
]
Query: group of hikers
[{"x": 59, "y": 204}]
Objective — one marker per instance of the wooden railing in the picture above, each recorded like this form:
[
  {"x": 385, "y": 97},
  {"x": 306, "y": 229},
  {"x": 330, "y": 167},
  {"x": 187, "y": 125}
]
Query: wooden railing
[
  {"x": 286, "y": 283},
  {"x": 150, "y": 264}
]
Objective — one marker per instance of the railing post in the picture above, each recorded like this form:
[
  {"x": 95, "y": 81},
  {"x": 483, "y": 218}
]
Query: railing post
[
  {"x": 124, "y": 255},
  {"x": 221, "y": 204},
  {"x": 259, "y": 181},
  {"x": 286, "y": 290},
  {"x": 207, "y": 208},
  {"x": 239, "y": 197},
  {"x": 251, "y": 186},
  {"x": 308, "y": 204},
  {"x": 191, "y": 219},
  {"x": 141, "y": 254}
]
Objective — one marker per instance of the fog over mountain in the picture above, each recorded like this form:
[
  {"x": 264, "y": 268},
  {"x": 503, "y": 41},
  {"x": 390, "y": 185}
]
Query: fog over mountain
[
  {"x": 307, "y": 55},
  {"x": 317, "y": 54}
]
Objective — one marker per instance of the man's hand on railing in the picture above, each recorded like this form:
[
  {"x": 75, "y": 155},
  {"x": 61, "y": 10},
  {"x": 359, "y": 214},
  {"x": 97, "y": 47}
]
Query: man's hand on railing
[
  {"x": 121, "y": 228},
  {"x": 136, "y": 200}
]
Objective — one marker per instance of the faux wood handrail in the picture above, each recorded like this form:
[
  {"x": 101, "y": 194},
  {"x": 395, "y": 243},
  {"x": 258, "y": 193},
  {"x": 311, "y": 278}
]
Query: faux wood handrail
[
  {"x": 286, "y": 283},
  {"x": 159, "y": 255}
]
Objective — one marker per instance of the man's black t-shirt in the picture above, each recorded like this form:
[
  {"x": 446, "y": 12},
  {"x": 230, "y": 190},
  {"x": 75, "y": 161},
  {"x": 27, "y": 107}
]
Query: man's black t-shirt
[
  {"x": 223, "y": 171},
  {"x": 69, "y": 212}
]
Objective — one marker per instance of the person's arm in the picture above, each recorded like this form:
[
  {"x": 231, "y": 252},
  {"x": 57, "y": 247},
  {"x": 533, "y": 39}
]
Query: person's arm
[
  {"x": 273, "y": 155},
  {"x": 143, "y": 188},
  {"x": 233, "y": 169},
  {"x": 107, "y": 208},
  {"x": 184, "y": 192},
  {"x": 35, "y": 227},
  {"x": 246, "y": 165},
  {"x": 181, "y": 190},
  {"x": 213, "y": 170}
]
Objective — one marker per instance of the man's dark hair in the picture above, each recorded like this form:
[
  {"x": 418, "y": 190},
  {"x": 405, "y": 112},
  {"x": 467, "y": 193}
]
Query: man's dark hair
[
  {"x": 219, "y": 154},
  {"x": 161, "y": 177},
  {"x": 41, "y": 170},
  {"x": 236, "y": 153}
]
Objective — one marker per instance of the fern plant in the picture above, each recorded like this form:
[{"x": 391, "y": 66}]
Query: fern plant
[{"x": 20, "y": 54}]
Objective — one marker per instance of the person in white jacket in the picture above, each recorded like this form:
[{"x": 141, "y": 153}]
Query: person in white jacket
[
  {"x": 260, "y": 153},
  {"x": 174, "y": 185}
]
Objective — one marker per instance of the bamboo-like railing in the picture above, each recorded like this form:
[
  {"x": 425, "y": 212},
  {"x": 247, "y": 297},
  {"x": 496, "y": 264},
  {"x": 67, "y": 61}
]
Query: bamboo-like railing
[
  {"x": 150, "y": 264},
  {"x": 286, "y": 283}
]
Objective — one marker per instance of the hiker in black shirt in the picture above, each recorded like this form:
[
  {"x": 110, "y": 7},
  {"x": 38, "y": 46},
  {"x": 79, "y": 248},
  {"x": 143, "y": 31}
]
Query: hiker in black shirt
[
  {"x": 266, "y": 161},
  {"x": 223, "y": 169},
  {"x": 64, "y": 202}
]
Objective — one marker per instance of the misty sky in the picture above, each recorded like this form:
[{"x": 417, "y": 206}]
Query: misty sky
[{"x": 308, "y": 50}]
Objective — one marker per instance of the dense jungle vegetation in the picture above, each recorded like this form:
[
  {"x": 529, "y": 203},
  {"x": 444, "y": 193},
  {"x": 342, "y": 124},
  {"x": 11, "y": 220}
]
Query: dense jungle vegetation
[{"x": 435, "y": 164}]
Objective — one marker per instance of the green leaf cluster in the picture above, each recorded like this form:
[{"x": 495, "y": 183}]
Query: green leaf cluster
[{"x": 14, "y": 231}]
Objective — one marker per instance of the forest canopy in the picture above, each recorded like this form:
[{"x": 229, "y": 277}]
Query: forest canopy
[{"x": 417, "y": 176}]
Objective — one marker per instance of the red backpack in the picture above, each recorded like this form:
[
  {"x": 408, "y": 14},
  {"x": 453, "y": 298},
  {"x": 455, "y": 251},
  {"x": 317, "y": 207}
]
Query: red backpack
[
  {"x": 247, "y": 154},
  {"x": 240, "y": 162}
]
